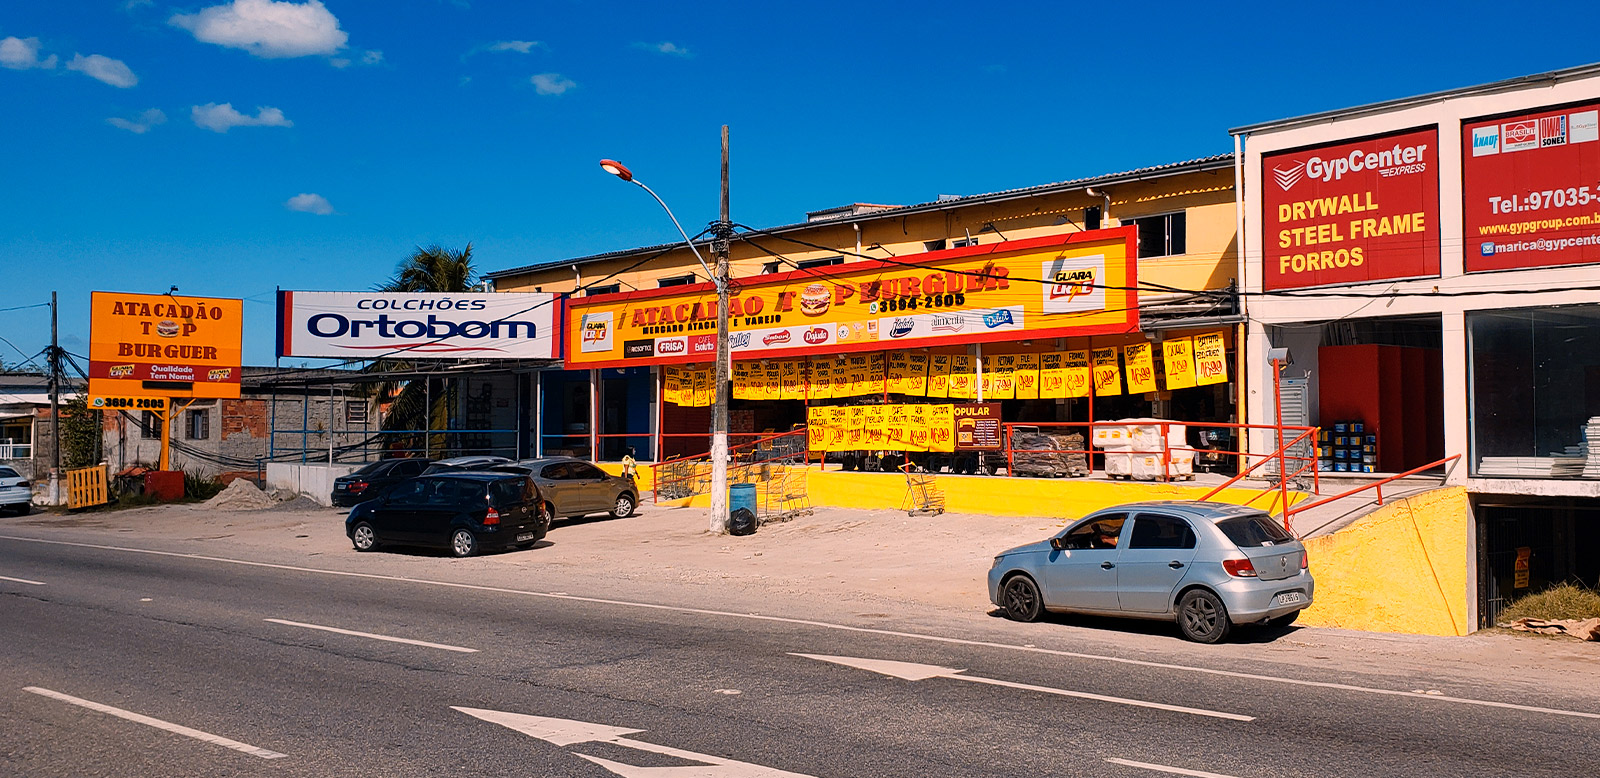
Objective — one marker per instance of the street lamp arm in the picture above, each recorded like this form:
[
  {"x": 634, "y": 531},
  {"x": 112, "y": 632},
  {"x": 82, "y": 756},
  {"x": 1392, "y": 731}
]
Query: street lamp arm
[{"x": 686, "y": 239}]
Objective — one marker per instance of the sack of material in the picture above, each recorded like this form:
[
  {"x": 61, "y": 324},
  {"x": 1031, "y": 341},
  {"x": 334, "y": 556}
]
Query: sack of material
[{"x": 1583, "y": 629}]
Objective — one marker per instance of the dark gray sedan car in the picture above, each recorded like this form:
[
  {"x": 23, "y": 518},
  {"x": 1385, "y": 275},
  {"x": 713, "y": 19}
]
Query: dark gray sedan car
[
  {"x": 1207, "y": 566},
  {"x": 574, "y": 488}
]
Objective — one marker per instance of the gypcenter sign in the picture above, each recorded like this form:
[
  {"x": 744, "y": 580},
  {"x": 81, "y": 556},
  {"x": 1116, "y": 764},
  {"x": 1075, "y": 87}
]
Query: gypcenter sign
[
  {"x": 1056, "y": 286},
  {"x": 1351, "y": 212}
]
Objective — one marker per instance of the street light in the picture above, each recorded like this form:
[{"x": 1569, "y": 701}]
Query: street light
[{"x": 719, "y": 412}]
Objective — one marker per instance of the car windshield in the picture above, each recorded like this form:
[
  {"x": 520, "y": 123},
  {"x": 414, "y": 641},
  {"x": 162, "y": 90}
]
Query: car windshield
[
  {"x": 374, "y": 468},
  {"x": 1253, "y": 531}
]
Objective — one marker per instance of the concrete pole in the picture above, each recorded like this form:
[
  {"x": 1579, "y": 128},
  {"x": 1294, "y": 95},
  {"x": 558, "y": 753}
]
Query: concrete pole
[
  {"x": 54, "y": 496},
  {"x": 719, "y": 412}
]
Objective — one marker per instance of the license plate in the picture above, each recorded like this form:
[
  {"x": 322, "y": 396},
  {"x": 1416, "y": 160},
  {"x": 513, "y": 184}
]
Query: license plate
[
  {"x": 526, "y": 536},
  {"x": 1291, "y": 598}
]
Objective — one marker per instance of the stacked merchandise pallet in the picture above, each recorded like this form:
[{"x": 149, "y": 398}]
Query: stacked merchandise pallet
[{"x": 1347, "y": 448}]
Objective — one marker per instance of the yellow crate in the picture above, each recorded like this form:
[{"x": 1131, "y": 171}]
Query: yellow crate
[{"x": 86, "y": 487}]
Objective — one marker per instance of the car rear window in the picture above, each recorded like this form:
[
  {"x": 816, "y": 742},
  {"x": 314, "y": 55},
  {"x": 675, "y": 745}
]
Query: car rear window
[
  {"x": 1253, "y": 531},
  {"x": 509, "y": 491},
  {"x": 374, "y": 468},
  {"x": 6, "y": 472}
]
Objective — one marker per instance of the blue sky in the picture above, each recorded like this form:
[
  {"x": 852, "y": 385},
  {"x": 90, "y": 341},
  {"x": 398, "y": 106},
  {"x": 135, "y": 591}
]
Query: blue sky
[{"x": 356, "y": 129}]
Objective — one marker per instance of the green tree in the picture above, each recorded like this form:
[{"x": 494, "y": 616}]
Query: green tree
[
  {"x": 80, "y": 433},
  {"x": 434, "y": 269}
]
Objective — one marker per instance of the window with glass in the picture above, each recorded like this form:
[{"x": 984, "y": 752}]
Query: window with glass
[
  {"x": 1165, "y": 235},
  {"x": 1535, "y": 392}
]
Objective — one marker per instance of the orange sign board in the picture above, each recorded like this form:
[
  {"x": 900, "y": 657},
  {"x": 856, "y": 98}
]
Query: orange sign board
[
  {"x": 1056, "y": 286},
  {"x": 157, "y": 345}
]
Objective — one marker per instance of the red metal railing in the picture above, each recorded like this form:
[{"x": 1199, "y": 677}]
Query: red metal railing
[
  {"x": 1167, "y": 449},
  {"x": 1378, "y": 485}
]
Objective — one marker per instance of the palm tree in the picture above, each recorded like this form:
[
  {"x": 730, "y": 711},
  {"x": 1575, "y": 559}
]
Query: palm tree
[
  {"x": 431, "y": 269},
  {"x": 434, "y": 269}
]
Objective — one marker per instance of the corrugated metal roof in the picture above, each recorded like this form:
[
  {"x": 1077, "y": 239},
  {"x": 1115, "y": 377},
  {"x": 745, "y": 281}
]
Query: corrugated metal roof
[
  {"x": 1432, "y": 97},
  {"x": 1201, "y": 164}
]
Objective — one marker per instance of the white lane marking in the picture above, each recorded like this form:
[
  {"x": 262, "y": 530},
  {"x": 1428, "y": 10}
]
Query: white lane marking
[
  {"x": 21, "y": 580},
  {"x": 407, "y": 641},
  {"x": 911, "y": 671},
  {"x": 566, "y": 732},
  {"x": 157, "y": 723},
  {"x": 1166, "y": 769},
  {"x": 840, "y": 627}
]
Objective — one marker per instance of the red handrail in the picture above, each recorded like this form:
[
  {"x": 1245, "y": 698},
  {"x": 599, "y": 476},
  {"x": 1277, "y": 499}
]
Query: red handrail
[
  {"x": 1265, "y": 458},
  {"x": 1377, "y": 485}
]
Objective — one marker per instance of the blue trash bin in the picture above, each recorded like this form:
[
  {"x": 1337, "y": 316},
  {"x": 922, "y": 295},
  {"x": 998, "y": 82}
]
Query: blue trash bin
[{"x": 742, "y": 496}]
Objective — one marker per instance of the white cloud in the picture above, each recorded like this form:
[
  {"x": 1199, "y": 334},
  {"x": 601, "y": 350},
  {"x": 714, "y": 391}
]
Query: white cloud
[
  {"x": 221, "y": 118},
  {"x": 552, "y": 83},
  {"x": 372, "y": 57},
  {"x": 665, "y": 47},
  {"x": 339, "y": 62},
  {"x": 309, "y": 203},
  {"x": 267, "y": 28},
  {"x": 23, "y": 53},
  {"x": 140, "y": 124},
  {"x": 106, "y": 69},
  {"x": 520, "y": 47},
  {"x": 130, "y": 5}
]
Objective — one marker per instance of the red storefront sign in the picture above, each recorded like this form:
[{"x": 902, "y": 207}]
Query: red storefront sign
[
  {"x": 1353, "y": 212},
  {"x": 1531, "y": 189}
]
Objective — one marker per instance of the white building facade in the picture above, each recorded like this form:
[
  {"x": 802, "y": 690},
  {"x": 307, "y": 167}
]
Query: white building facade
[{"x": 1433, "y": 266}]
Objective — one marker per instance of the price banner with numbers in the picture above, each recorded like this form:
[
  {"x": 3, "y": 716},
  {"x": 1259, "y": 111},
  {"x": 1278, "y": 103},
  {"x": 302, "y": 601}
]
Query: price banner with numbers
[
  {"x": 1079, "y": 374},
  {"x": 1210, "y": 359},
  {"x": 1107, "y": 372},
  {"x": 1177, "y": 362},
  {"x": 1141, "y": 368}
]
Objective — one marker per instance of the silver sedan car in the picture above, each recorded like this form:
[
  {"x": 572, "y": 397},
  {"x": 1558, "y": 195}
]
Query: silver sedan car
[
  {"x": 1208, "y": 566},
  {"x": 574, "y": 488}
]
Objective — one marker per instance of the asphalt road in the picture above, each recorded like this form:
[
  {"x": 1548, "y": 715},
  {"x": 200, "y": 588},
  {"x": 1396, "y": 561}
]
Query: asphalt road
[{"x": 638, "y": 691}]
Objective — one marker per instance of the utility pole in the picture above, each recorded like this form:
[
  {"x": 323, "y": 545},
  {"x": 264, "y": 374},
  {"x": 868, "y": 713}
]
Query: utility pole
[
  {"x": 719, "y": 412},
  {"x": 55, "y": 405}
]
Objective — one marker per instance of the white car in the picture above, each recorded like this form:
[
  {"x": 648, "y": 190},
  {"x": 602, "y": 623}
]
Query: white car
[{"x": 15, "y": 492}]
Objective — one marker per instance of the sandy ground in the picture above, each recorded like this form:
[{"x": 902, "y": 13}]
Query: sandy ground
[{"x": 878, "y": 569}]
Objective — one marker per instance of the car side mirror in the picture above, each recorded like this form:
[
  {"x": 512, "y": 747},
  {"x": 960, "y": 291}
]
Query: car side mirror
[{"x": 1058, "y": 543}]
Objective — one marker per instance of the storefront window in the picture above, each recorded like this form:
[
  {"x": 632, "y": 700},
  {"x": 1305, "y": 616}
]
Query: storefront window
[{"x": 1535, "y": 388}]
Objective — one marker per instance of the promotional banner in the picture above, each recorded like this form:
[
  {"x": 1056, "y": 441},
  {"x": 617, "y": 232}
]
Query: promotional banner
[
  {"x": 1210, "y": 359},
  {"x": 1027, "y": 376},
  {"x": 1005, "y": 378},
  {"x": 963, "y": 381},
  {"x": 901, "y": 427},
  {"x": 1077, "y": 284},
  {"x": 1177, "y": 361},
  {"x": 1141, "y": 368},
  {"x": 1052, "y": 375},
  {"x": 1530, "y": 188},
  {"x": 1107, "y": 372},
  {"x": 939, "y": 375},
  {"x": 412, "y": 325},
  {"x": 157, "y": 345},
  {"x": 978, "y": 426},
  {"x": 1348, "y": 213},
  {"x": 1077, "y": 373}
]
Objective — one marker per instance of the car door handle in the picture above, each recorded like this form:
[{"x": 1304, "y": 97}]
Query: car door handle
[
  {"x": 1174, "y": 564},
  {"x": 1106, "y": 565}
]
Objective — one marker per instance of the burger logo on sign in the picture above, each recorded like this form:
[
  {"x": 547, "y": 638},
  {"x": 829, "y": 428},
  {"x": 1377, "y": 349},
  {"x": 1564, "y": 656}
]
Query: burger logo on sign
[
  {"x": 167, "y": 328},
  {"x": 814, "y": 300}
]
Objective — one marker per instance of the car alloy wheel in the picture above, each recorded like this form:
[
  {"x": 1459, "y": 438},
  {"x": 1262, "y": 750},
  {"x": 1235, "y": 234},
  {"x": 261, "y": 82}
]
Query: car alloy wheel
[
  {"x": 363, "y": 537},
  {"x": 1020, "y": 599},
  {"x": 1202, "y": 617},
  {"x": 624, "y": 506},
  {"x": 463, "y": 544}
]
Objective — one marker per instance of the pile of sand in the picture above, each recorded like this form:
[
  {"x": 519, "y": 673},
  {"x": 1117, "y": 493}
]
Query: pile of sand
[{"x": 241, "y": 495}]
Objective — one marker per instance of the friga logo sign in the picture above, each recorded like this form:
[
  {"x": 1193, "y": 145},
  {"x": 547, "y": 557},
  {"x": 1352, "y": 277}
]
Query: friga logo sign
[
  {"x": 671, "y": 346},
  {"x": 1288, "y": 177},
  {"x": 901, "y": 327}
]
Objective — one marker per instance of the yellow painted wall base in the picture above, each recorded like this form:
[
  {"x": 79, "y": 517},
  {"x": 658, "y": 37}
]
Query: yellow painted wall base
[
  {"x": 1062, "y": 498},
  {"x": 1402, "y": 568}
]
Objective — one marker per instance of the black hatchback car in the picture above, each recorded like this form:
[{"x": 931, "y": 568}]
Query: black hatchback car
[
  {"x": 374, "y": 480},
  {"x": 463, "y": 512}
]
